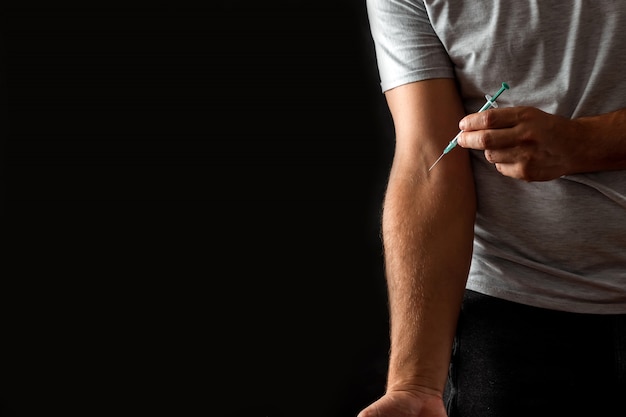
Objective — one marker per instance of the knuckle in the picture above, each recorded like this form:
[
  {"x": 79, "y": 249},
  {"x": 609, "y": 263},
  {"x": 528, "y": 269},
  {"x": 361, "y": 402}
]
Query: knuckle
[
  {"x": 488, "y": 118},
  {"x": 527, "y": 137},
  {"x": 526, "y": 173},
  {"x": 525, "y": 114},
  {"x": 485, "y": 140},
  {"x": 525, "y": 176}
]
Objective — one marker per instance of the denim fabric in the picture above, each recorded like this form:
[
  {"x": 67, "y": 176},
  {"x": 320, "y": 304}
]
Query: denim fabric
[{"x": 512, "y": 360}]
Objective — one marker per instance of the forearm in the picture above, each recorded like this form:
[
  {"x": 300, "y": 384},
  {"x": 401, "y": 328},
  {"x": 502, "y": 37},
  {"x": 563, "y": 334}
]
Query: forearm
[
  {"x": 428, "y": 227},
  {"x": 601, "y": 143},
  {"x": 427, "y": 234}
]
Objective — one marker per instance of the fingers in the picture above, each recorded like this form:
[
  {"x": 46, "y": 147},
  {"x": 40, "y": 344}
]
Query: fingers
[
  {"x": 490, "y": 119},
  {"x": 504, "y": 157},
  {"x": 491, "y": 129},
  {"x": 488, "y": 139},
  {"x": 522, "y": 142}
]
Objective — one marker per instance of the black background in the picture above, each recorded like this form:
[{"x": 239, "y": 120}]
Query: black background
[{"x": 191, "y": 209}]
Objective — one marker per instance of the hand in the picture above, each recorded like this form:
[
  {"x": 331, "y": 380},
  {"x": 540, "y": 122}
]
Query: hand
[
  {"x": 523, "y": 142},
  {"x": 406, "y": 404}
]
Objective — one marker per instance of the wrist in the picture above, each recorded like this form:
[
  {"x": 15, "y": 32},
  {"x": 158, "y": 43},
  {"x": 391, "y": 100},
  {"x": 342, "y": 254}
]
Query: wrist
[
  {"x": 430, "y": 380},
  {"x": 581, "y": 139},
  {"x": 415, "y": 385},
  {"x": 600, "y": 143}
]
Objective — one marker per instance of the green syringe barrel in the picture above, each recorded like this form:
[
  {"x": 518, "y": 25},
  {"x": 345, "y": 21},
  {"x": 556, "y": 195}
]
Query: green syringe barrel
[{"x": 491, "y": 102}]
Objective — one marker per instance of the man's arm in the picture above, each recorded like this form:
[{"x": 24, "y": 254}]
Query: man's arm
[
  {"x": 605, "y": 147},
  {"x": 529, "y": 144},
  {"x": 427, "y": 226}
]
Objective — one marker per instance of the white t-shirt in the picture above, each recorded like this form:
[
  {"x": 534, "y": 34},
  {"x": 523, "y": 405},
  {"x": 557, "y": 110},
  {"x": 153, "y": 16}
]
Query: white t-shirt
[{"x": 557, "y": 244}]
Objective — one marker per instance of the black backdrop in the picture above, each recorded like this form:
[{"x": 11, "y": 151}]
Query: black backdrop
[{"x": 191, "y": 207}]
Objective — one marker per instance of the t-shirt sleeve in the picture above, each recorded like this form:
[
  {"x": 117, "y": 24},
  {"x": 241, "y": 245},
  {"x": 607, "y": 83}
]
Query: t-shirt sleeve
[{"x": 406, "y": 45}]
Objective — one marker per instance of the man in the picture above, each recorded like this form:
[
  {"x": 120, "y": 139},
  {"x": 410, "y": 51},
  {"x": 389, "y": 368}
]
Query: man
[{"x": 505, "y": 263}]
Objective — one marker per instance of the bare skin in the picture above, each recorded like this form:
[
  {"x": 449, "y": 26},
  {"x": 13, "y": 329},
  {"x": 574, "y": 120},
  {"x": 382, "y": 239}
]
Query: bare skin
[
  {"x": 407, "y": 404},
  {"x": 428, "y": 217},
  {"x": 529, "y": 144},
  {"x": 427, "y": 228}
]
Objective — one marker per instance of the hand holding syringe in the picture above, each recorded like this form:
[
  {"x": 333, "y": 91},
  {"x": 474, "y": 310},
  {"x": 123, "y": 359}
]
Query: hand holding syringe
[{"x": 491, "y": 102}]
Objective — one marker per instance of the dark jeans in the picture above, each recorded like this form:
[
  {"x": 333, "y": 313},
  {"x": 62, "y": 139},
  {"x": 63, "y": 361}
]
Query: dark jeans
[{"x": 514, "y": 360}]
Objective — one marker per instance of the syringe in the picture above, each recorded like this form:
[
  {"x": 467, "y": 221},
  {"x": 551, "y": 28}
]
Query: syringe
[{"x": 491, "y": 102}]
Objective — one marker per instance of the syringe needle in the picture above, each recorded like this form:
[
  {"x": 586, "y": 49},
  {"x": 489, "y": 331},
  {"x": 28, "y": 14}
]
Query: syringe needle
[
  {"x": 451, "y": 145},
  {"x": 438, "y": 159},
  {"x": 491, "y": 102}
]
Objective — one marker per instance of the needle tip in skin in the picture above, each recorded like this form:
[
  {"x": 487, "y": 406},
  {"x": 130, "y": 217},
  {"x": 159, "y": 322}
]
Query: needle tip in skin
[{"x": 438, "y": 159}]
